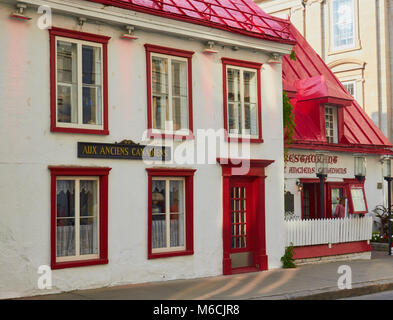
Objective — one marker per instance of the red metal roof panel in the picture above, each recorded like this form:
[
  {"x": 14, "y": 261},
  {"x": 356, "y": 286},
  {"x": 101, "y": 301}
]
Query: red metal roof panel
[
  {"x": 239, "y": 16},
  {"x": 359, "y": 129}
]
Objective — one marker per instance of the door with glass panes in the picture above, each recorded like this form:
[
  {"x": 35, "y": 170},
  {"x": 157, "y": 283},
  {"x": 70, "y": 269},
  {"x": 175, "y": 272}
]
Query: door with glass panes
[
  {"x": 336, "y": 191},
  {"x": 241, "y": 218}
]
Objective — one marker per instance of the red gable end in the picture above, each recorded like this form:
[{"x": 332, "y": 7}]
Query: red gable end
[
  {"x": 239, "y": 16},
  {"x": 315, "y": 84}
]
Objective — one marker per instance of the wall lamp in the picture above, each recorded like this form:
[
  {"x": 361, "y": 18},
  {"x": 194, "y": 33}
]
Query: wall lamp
[
  {"x": 210, "y": 48},
  {"x": 360, "y": 167},
  {"x": 299, "y": 186},
  {"x": 274, "y": 58},
  {"x": 130, "y": 34},
  {"x": 81, "y": 21},
  {"x": 18, "y": 14}
]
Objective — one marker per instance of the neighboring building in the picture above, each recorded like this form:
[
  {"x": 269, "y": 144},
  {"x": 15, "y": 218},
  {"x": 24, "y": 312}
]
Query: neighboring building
[
  {"x": 98, "y": 214},
  {"x": 329, "y": 121},
  {"x": 352, "y": 37}
]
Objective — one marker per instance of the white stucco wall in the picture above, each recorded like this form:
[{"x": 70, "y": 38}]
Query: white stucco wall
[
  {"x": 374, "y": 195},
  {"x": 27, "y": 148}
]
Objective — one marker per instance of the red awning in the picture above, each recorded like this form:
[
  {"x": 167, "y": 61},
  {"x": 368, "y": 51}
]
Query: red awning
[{"x": 239, "y": 16}]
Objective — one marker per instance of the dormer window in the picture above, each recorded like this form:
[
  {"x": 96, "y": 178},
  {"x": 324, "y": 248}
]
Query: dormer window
[{"x": 331, "y": 124}]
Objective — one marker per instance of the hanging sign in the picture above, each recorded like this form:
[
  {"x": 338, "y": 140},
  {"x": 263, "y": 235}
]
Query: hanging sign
[{"x": 126, "y": 149}]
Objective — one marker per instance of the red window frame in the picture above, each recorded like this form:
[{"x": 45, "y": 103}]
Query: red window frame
[
  {"x": 150, "y": 48},
  {"x": 340, "y": 122},
  {"x": 244, "y": 64},
  {"x": 59, "y": 32},
  {"x": 102, "y": 173},
  {"x": 188, "y": 175}
]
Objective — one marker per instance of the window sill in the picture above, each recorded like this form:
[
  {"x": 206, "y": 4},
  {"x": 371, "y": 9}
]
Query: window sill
[
  {"x": 332, "y": 52},
  {"x": 79, "y": 130},
  {"x": 80, "y": 263},
  {"x": 170, "y": 254},
  {"x": 241, "y": 139},
  {"x": 170, "y": 136}
]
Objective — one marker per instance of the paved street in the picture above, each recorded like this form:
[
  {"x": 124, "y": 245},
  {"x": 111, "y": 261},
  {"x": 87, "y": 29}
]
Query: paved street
[{"x": 318, "y": 281}]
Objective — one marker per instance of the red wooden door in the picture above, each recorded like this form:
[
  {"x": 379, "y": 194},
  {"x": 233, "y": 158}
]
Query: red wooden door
[
  {"x": 310, "y": 201},
  {"x": 241, "y": 217}
]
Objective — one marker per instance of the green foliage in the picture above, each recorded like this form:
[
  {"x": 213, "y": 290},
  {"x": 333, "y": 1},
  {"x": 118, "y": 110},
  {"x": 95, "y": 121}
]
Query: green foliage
[
  {"x": 382, "y": 213},
  {"x": 293, "y": 56},
  {"x": 289, "y": 118},
  {"x": 377, "y": 237},
  {"x": 289, "y": 122},
  {"x": 287, "y": 258}
]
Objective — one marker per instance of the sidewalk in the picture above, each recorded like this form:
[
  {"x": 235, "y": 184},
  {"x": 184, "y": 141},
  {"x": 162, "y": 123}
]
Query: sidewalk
[{"x": 318, "y": 281}]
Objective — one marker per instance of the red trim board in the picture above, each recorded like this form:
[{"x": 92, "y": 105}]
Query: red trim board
[{"x": 336, "y": 249}]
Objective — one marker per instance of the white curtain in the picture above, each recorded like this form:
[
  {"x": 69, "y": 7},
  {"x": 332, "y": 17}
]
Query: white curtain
[
  {"x": 65, "y": 242},
  {"x": 66, "y": 221},
  {"x": 88, "y": 238},
  {"x": 177, "y": 223},
  {"x": 158, "y": 234}
]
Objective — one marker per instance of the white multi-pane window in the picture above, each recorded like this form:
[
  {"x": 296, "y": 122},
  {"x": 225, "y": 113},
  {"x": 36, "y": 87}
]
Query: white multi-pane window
[
  {"x": 242, "y": 102},
  {"x": 79, "y": 84},
  {"x": 169, "y": 83},
  {"x": 343, "y": 24},
  {"x": 350, "y": 87},
  {"x": 77, "y": 218},
  {"x": 168, "y": 214},
  {"x": 331, "y": 127}
]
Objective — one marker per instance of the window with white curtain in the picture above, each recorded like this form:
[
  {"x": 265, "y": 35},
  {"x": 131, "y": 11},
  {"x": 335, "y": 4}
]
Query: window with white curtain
[
  {"x": 168, "y": 214},
  {"x": 79, "y": 82},
  {"x": 242, "y": 102},
  {"x": 77, "y": 218},
  {"x": 342, "y": 24},
  {"x": 169, "y": 83}
]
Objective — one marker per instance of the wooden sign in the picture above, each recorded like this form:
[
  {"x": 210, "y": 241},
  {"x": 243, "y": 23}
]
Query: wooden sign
[{"x": 123, "y": 150}]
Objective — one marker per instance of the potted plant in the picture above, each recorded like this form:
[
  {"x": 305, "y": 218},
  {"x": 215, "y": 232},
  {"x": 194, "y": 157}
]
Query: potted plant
[{"x": 380, "y": 238}]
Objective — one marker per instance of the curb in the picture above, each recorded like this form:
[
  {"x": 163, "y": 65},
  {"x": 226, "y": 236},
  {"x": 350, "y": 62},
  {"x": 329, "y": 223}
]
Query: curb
[
  {"x": 332, "y": 293},
  {"x": 360, "y": 290}
]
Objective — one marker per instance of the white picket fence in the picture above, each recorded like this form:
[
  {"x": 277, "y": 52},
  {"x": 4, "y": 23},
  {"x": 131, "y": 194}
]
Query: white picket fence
[{"x": 323, "y": 231}]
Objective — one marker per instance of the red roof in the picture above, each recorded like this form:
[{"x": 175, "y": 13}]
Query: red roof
[
  {"x": 239, "y": 16},
  {"x": 313, "y": 79},
  {"x": 318, "y": 87}
]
